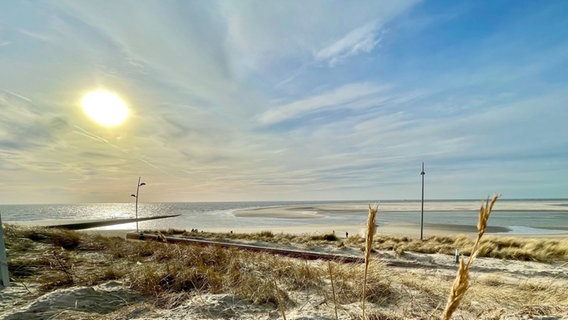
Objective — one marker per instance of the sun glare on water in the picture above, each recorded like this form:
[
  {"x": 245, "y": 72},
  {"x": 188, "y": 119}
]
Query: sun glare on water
[{"x": 105, "y": 108}]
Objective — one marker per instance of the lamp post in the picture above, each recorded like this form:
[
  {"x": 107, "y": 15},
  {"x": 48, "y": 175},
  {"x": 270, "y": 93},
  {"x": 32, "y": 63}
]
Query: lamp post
[
  {"x": 422, "y": 210},
  {"x": 136, "y": 196}
]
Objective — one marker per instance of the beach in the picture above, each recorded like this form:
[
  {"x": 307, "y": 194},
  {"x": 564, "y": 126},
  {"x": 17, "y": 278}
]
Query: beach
[
  {"x": 343, "y": 231},
  {"x": 387, "y": 225},
  {"x": 432, "y": 272},
  {"x": 426, "y": 276},
  {"x": 407, "y": 229}
]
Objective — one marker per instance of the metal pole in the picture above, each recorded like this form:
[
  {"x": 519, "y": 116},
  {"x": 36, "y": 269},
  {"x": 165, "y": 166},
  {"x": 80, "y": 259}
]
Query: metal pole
[
  {"x": 422, "y": 210},
  {"x": 137, "y": 189},
  {"x": 4, "y": 275}
]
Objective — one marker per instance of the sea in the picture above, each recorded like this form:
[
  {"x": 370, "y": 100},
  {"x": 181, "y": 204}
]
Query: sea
[{"x": 548, "y": 216}]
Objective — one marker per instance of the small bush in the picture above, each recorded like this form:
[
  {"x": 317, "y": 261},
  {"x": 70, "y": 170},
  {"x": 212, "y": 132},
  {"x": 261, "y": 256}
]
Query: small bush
[
  {"x": 65, "y": 239},
  {"x": 325, "y": 237},
  {"x": 266, "y": 234},
  {"x": 174, "y": 231}
]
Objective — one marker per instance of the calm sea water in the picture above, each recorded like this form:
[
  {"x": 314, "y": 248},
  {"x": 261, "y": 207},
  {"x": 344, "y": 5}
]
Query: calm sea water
[{"x": 521, "y": 216}]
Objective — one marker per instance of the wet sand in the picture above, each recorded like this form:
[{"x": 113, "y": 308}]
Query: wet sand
[
  {"x": 407, "y": 229},
  {"x": 307, "y": 211}
]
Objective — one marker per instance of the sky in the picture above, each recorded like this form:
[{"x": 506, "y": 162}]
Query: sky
[{"x": 284, "y": 100}]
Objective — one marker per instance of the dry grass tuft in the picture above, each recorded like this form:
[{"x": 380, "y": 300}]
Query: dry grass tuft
[
  {"x": 371, "y": 228},
  {"x": 348, "y": 291},
  {"x": 335, "y": 304},
  {"x": 325, "y": 237},
  {"x": 461, "y": 283},
  {"x": 500, "y": 247}
]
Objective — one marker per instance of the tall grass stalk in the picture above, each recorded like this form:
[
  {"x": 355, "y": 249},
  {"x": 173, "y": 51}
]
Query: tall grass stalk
[
  {"x": 280, "y": 300},
  {"x": 461, "y": 283},
  {"x": 371, "y": 228},
  {"x": 330, "y": 268}
]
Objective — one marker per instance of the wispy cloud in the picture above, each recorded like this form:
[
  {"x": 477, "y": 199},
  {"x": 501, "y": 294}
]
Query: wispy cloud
[
  {"x": 36, "y": 35},
  {"x": 361, "y": 40},
  {"x": 16, "y": 95},
  {"x": 342, "y": 97}
]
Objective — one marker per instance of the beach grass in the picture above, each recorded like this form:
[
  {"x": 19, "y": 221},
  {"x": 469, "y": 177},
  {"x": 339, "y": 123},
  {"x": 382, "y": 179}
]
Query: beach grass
[
  {"x": 462, "y": 281},
  {"x": 169, "y": 274},
  {"x": 500, "y": 247},
  {"x": 371, "y": 228}
]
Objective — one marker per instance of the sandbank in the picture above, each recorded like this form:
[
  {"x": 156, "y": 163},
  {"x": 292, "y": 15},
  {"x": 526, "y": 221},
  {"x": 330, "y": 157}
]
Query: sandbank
[
  {"x": 284, "y": 212},
  {"x": 312, "y": 210}
]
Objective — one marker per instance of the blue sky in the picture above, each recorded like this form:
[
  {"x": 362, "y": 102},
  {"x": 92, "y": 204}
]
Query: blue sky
[{"x": 284, "y": 100}]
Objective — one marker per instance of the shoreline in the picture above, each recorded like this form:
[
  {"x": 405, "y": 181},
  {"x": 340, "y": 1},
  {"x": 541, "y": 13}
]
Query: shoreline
[
  {"x": 397, "y": 218},
  {"x": 397, "y": 229}
]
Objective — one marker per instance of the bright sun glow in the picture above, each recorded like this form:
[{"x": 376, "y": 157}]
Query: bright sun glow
[{"x": 105, "y": 108}]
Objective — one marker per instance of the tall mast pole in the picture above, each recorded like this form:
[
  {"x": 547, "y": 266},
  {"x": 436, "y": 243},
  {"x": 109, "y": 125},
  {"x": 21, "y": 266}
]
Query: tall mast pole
[
  {"x": 422, "y": 173},
  {"x": 137, "y": 189}
]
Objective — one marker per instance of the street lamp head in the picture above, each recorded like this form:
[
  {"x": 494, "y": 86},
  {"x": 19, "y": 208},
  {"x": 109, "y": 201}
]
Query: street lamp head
[
  {"x": 143, "y": 184},
  {"x": 133, "y": 195}
]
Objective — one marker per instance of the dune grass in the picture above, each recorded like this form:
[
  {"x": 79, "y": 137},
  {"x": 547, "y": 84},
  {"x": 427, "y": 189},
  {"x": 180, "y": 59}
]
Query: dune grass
[
  {"x": 500, "y": 247},
  {"x": 169, "y": 274},
  {"x": 371, "y": 228},
  {"x": 462, "y": 281}
]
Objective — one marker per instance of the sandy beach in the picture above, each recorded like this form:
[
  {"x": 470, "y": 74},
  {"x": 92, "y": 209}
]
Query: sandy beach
[
  {"x": 406, "y": 229},
  {"x": 342, "y": 231},
  {"x": 411, "y": 231}
]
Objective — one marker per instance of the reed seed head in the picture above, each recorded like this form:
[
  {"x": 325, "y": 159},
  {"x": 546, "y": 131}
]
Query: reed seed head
[{"x": 461, "y": 283}]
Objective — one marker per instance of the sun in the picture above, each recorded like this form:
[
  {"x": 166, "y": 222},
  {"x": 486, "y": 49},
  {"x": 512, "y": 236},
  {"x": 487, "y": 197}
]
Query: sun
[{"x": 105, "y": 108}]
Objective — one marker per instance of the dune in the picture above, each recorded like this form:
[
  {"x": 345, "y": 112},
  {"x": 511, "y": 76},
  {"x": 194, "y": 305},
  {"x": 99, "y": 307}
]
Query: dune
[{"x": 115, "y": 300}]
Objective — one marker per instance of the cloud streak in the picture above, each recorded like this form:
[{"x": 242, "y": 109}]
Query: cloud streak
[
  {"x": 342, "y": 97},
  {"x": 361, "y": 40}
]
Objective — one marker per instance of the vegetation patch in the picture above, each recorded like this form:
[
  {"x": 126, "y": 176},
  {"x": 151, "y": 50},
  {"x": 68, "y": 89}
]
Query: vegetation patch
[{"x": 171, "y": 274}]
